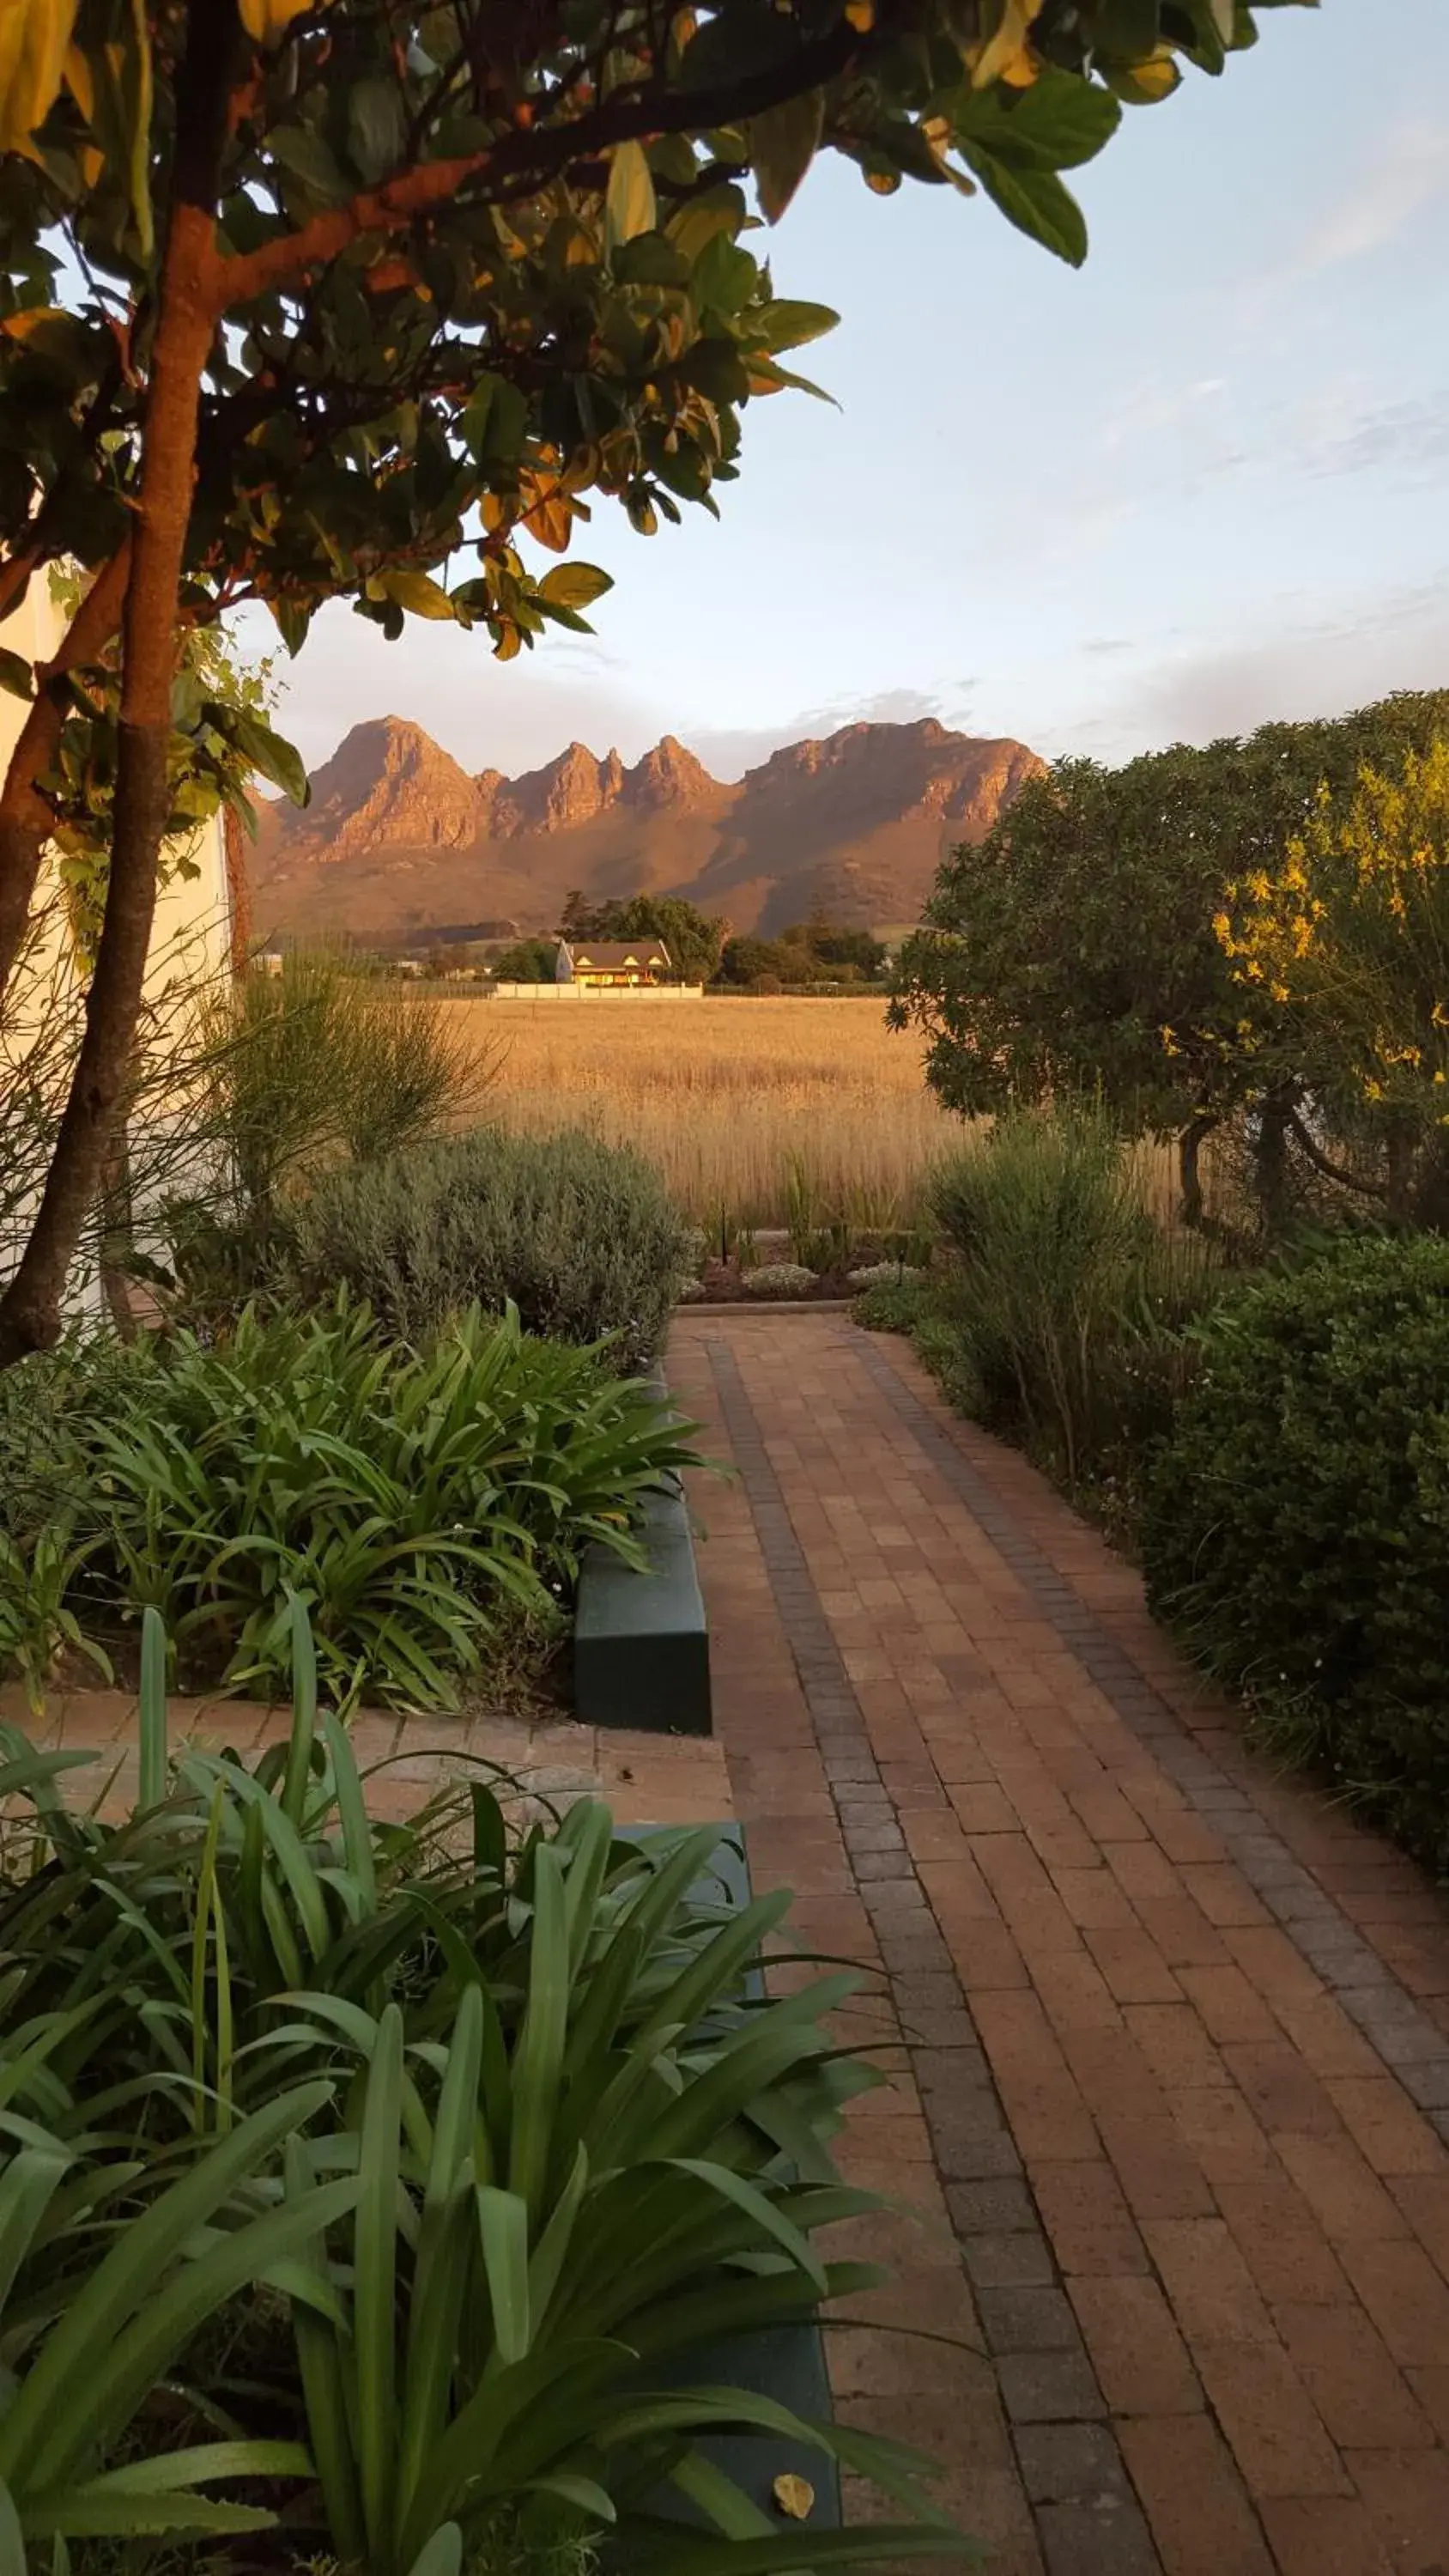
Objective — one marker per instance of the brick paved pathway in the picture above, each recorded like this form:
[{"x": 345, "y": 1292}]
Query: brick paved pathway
[{"x": 1169, "y": 2038}]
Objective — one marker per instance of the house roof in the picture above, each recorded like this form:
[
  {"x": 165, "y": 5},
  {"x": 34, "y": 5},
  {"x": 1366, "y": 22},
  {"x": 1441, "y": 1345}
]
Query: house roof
[{"x": 610, "y": 955}]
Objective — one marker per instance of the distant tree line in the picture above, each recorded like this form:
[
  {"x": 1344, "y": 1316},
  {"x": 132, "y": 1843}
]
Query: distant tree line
[{"x": 702, "y": 948}]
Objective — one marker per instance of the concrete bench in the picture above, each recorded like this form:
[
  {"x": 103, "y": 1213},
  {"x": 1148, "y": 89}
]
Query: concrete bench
[{"x": 641, "y": 1644}]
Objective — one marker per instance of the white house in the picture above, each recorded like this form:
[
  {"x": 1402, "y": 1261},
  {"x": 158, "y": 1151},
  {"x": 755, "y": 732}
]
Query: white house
[{"x": 191, "y": 944}]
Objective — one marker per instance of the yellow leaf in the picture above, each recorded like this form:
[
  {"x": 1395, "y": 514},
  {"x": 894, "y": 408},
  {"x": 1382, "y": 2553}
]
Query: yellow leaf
[
  {"x": 34, "y": 41},
  {"x": 1002, "y": 56},
  {"x": 80, "y": 82},
  {"x": 793, "y": 2496},
  {"x": 20, "y": 325},
  {"x": 1156, "y": 77},
  {"x": 267, "y": 21},
  {"x": 861, "y": 15}
]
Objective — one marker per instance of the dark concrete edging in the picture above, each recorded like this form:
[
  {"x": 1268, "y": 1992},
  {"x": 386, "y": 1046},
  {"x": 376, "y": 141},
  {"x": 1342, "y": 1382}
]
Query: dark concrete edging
[
  {"x": 641, "y": 1638},
  {"x": 715, "y": 1306},
  {"x": 786, "y": 2362}
]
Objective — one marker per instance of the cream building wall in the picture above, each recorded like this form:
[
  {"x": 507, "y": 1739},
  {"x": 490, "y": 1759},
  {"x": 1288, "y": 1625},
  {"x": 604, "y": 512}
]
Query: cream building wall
[{"x": 190, "y": 944}]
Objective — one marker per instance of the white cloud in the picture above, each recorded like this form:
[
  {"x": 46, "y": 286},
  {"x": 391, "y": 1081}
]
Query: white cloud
[
  {"x": 1395, "y": 639},
  {"x": 1407, "y": 170}
]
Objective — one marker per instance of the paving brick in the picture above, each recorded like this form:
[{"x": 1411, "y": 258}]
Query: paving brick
[
  {"x": 1342, "y": 2190},
  {"x": 1366, "y": 2402},
  {"x": 1141, "y": 2362},
  {"x": 1069, "y": 2463},
  {"x": 1201, "y": 2516},
  {"x": 1407, "y": 2495},
  {"x": 1104, "y": 2537},
  {"x": 1406, "y": 2296},
  {"x": 1160, "y": 2178},
  {"x": 1087, "y": 2219},
  {"x": 1324, "y": 2536},
  {"x": 1277, "y": 2436},
  {"x": 1213, "y": 2295},
  {"x": 1048, "y": 2388},
  {"x": 1027, "y": 2319},
  {"x": 1020, "y": 2260},
  {"x": 1229, "y": 2004}
]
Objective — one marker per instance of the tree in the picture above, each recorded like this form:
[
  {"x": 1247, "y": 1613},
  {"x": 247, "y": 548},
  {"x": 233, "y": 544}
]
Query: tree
[
  {"x": 1344, "y": 948},
  {"x": 744, "y": 961},
  {"x": 1074, "y": 948},
  {"x": 305, "y": 302},
  {"x": 528, "y": 961},
  {"x": 834, "y": 945},
  {"x": 695, "y": 940}
]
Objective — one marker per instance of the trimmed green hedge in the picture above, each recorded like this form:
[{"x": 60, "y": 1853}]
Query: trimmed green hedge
[{"x": 1297, "y": 1523}]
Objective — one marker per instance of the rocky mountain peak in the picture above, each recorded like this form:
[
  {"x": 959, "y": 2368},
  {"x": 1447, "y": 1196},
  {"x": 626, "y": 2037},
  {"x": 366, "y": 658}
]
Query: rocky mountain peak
[
  {"x": 670, "y": 775},
  {"x": 853, "y": 825},
  {"x": 388, "y": 781}
]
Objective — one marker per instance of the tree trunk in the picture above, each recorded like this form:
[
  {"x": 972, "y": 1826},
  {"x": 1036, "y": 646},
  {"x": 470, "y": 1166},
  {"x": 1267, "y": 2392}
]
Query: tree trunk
[
  {"x": 25, "y": 818},
  {"x": 1270, "y": 1159},
  {"x": 187, "y": 306},
  {"x": 1189, "y": 1179}
]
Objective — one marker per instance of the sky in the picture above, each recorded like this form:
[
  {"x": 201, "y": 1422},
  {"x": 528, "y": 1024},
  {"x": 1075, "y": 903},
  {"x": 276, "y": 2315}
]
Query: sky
[{"x": 1201, "y": 483}]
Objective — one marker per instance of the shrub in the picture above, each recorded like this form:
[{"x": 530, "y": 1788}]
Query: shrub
[
  {"x": 778, "y": 1279},
  {"x": 1297, "y": 1530},
  {"x": 579, "y": 1236},
  {"x": 309, "y": 1069},
  {"x": 419, "y": 1503},
  {"x": 1057, "y": 1265},
  {"x": 884, "y": 1274},
  {"x": 892, "y": 1302},
  {"x": 405, "y": 2158}
]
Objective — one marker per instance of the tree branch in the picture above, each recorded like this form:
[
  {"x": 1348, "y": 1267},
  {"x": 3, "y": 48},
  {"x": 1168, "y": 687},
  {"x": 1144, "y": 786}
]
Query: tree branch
[
  {"x": 529, "y": 159},
  {"x": 1332, "y": 1171}
]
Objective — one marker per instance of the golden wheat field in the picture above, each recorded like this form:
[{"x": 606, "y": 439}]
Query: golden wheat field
[{"x": 737, "y": 1102}]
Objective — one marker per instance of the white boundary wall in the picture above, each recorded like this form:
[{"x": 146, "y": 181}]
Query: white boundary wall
[{"x": 594, "y": 992}]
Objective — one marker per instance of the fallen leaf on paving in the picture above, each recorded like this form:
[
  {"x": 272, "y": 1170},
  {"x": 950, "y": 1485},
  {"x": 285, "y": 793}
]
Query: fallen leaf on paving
[{"x": 794, "y": 2496}]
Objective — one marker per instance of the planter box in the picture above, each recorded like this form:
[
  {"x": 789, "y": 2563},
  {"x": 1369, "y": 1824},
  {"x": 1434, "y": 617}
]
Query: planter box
[
  {"x": 785, "y": 2362},
  {"x": 641, "y": 1643}
]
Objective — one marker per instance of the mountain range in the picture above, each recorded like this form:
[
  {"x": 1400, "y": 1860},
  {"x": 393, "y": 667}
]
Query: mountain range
[{"x": 399, "y": 840}]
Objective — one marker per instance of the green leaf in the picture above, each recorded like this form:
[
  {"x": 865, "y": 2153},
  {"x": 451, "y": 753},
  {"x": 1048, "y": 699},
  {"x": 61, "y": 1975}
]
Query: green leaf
[
  {"x": 767, "y": 378},
  {"x": 268, "y": 753},
  {"x": 1036, "y": 201},
  {"x": 1056, "y": 124},
  {"x": 12, "y": 2539},
  {"x": 785, "y": 325},
  {"x": 574, "y": 585},
  {"x": 302, "y": 152},
  {"x": 494, "y": 419},
  {"x": 629, "y": 206},
  {"x": 442, "y": 2555},
  {"x": 503, "y": 2227},
  {"x": 209, "y": 2461},
  {"x": 375, "y": 2291},
  {"x": 96, "y": 2512},
  {"x": 783, "y": 143},
  {"x": 16, "y": 674},
  {"x": 418, "y": 593},
  {"x": 151, "y": 1709},
  {"x": 376, "y": 128},
  {"x": 304, "y": 1712},
  {"x": 538, "y": 2057}
]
